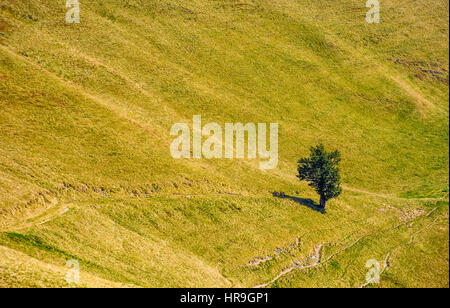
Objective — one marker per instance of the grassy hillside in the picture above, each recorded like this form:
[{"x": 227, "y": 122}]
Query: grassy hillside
[{"x": 85, "y": 165}]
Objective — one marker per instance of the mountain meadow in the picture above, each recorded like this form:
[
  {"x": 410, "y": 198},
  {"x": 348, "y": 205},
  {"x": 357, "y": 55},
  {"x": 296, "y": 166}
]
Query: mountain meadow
[{"x": 86, "y": 172}]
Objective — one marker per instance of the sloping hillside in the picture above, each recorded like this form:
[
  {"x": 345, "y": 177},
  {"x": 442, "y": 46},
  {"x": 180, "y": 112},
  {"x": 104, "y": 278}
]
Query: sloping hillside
[{"x": 85, "y": 165}]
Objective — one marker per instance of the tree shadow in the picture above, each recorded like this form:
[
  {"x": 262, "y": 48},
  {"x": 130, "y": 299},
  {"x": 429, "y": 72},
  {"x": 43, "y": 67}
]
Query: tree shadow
[{"x": 305, "y": 202}]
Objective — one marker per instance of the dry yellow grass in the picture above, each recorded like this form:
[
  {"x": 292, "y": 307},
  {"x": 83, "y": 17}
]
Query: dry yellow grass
[{"x": 85, "y": 167}]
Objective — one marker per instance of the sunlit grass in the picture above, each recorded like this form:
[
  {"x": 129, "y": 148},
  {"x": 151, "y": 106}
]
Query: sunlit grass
[{"x": 86, "y": 111}]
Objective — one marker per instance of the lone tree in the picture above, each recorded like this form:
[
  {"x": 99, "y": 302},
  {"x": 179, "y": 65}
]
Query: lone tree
[{"x": 322, "y": 172}]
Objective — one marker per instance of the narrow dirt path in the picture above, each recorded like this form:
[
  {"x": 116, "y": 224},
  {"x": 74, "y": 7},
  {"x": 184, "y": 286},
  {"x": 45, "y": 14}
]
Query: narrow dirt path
[
  {"x": 383, "y": 269},
  {"x": 386, "y": 196},
  {"x": 316, "y": 261},
  {"x": 316, "y": 257},
  {"x": 59, "y": 209},
  {"x": 411, "y": 240},
  {"x": 48, "y": 215}
]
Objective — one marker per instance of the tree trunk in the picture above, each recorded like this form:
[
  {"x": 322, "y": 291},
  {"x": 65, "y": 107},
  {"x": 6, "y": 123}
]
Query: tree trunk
[{"x": 322, "y": 202}]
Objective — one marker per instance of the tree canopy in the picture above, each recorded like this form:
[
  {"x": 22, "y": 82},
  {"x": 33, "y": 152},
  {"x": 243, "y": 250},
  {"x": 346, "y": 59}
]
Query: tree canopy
[{"x": 321, "y": 171}]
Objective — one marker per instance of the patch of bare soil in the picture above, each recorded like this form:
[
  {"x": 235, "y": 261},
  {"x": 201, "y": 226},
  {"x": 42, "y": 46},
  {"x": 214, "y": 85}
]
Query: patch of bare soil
[
  {"x": 309, "y": 262},
  {"x": 278, "y": 251},
  {"x": 404, "y": 214},
  {"x": 4, "y": 27},
  {"x": 426, "y": 69}
]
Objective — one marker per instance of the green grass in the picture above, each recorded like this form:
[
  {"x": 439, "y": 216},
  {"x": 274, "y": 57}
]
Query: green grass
[{"x": 86, "y": 111}]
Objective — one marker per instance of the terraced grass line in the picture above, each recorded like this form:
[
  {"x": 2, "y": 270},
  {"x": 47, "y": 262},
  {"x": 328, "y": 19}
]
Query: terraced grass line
[{"x": 61, "y": 209}]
